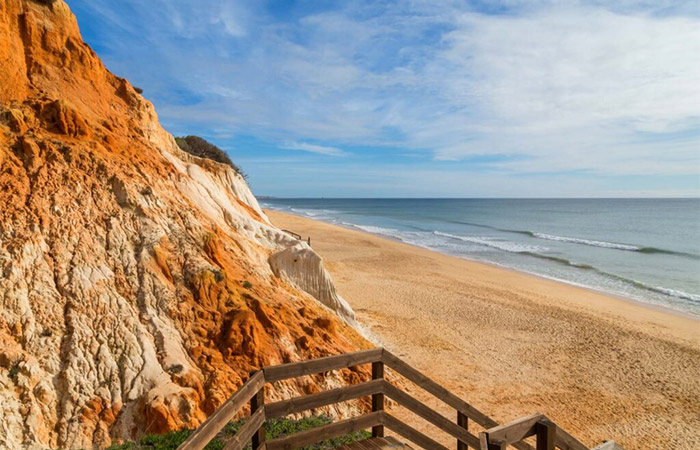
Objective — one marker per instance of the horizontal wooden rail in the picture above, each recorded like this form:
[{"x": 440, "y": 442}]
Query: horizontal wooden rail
[
  {"x": 326, "y": 432},
  {"x": 536, "y": 424},
  {"x": 515, "y": 431},
  {"x": 314, "y": 366},
  {"x": 430, "y": 415},
  {"x": 343, "y": 394},
  {"x": 246, "y": 432},
  {"x": 296, "y": 236},
  {"x": 252, "y": 391},
  {"x": 223, "y": 415},
  {"x": 443, "y": 394},
  {"x": 411, "y": 433},
  {"x": 565, "y": 441}
]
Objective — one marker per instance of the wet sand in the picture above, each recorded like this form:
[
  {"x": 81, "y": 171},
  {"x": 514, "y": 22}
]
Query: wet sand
[{"x": 512, "y": 344}]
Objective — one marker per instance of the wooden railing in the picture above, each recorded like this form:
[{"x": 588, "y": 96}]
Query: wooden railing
[
  {"x": 548, "y": 435},
  {"x": 253, "y": 431},
  {"x": 296, "y": 236}
]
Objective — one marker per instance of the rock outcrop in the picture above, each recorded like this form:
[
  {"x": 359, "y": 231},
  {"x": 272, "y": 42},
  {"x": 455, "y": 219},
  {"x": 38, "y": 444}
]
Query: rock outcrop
[
  {"x": 303, "y": 267},
  {"x": 139, "y": 285}
]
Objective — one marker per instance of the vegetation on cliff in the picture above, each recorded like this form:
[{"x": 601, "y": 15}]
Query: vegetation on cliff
[
  {"x": 198, "y": 146},
  {"x": 274, "y": 428}
]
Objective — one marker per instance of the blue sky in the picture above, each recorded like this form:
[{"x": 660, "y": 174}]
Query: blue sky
[{"x": 423, "y": 98}]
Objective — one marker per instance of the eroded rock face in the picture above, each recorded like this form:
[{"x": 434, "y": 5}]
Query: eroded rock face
[
  {"x": 303, "y": 267},
  {"x": 136, "y": 292}
]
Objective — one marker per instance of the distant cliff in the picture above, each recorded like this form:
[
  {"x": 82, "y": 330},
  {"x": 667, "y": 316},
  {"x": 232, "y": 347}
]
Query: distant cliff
[{"x": 139, "y": 284}]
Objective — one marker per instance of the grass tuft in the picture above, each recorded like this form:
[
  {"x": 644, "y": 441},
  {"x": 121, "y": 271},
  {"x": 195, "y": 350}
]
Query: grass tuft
[{"x": 274, "y": 428}]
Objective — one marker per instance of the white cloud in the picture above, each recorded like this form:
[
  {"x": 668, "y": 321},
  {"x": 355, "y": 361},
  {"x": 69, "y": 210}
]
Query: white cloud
[
  {"x": 606, "y": 87},
  {"x": 575, "y": 88},
  {"x": 318, "y": 149}
]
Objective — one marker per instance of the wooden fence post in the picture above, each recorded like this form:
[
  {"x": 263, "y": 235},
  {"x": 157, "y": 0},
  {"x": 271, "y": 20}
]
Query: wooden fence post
[
  {"x": 545, "y": 430},
  {"x": 257, "y": 402},
  {"x": 377, "y": 399},
  {"x": 463, "y": 422},
  {"x": 486, "y": 444}
]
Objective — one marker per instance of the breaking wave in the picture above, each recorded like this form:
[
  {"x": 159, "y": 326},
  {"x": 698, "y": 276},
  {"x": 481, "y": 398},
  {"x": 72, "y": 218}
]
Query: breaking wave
[
  {"x": 535, "y": 252},
  {"x": 377, "y": 230},
  {"x": 512, "y": 247},
  {"x": 581, "y": 241},
  {"x": 592, "y": 243},
  {"x": 422, "y": 237}
]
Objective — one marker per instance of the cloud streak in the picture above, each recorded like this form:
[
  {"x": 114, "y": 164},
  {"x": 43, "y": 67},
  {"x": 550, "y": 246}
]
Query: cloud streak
[
  {"x": 611, "y": 88},
  {"x": 318, "y": 149}
]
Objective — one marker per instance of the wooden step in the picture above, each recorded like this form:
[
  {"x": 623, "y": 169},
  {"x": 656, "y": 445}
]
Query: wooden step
[{"x": 377, "y": 443}]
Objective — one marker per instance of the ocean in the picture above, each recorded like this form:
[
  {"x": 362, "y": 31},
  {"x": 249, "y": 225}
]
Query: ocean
[{"x": 644, "y": 249}]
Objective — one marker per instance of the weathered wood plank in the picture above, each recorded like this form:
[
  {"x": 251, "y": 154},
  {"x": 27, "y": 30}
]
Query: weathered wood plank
[
  {"x": 443, "y": 394},
  {"x": 463, "y": 422},
  {"x": 562, "y": 439},
  {"x": 440, "y": 421},
  {"x": 257, "y": 403},
  {"x": 565, "y": 441},
  {"x": 510, "y": 433},
  {"x": 486, "y": 445},
  {"x": 247, "y": 431},
  {"x": 299, "y": 404},
  {"x": 326, "y": 432},
  {"x": 411, "y": 434},
  {"x": 516, "y": 430},
  {"x": 293, "y": 370},
  {"x": 378, "y": 399},
  {"x": 214, "y": 423},
  {"x": 437, "y": 390},
  {"x": 545, "y": 430},
  {"x": 385, "y": 443},
  {"x": 524, "y": 427}
]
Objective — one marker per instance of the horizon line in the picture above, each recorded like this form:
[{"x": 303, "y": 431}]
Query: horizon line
[{"x": 272, "y": 197}]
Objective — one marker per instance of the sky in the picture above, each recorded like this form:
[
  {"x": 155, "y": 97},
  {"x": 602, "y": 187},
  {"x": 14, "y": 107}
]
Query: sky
[{"x": 422, "y": 98}]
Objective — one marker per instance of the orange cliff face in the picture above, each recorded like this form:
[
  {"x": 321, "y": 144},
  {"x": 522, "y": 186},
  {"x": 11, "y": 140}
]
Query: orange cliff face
[{"x": 123, "y": 307}]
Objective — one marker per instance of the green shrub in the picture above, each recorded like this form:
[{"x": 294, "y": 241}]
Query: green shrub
[
  {"x": 247, "y": 284},
  {"x": 274, "y": 428},
  {"x": 168, "y": 441},
  {"x": 198, "y": 146}
]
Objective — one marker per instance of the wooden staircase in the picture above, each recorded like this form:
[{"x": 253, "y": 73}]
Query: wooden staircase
[
  {"x": 493, "y": 437},
  {"x": 377, "y": 443}
]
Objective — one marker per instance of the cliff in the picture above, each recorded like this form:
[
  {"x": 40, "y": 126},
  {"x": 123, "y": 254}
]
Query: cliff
[{"x": 139, "y": 285}]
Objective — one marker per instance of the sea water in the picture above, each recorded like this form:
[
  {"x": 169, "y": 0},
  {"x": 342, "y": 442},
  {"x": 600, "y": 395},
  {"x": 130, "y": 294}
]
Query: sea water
[{"x": 644, "y": 249}]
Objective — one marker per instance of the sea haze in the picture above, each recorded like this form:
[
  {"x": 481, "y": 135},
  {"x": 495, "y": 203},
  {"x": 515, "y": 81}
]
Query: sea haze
[{"x": 644, "y": 249}]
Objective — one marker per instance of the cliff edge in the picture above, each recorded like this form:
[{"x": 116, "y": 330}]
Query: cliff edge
[{"x": 139, "y": 284}]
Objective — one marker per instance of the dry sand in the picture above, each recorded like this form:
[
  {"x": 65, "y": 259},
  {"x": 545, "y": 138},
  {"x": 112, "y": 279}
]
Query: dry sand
[{"x": 512, "y": 344}]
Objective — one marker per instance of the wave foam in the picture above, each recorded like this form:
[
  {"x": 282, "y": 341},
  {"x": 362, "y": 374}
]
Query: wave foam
[
  {"x": 506, "y": 246},
  {"x": 314, "y": 212},
  {"x": 603, "y": 244},
  {"x": 392, "y": 232},
  {"x": 675, "y": 293}
]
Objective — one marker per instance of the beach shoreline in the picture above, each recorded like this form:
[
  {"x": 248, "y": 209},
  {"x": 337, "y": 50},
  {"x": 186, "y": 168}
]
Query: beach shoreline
[
  {"x": 612, "y": 295},
  {"x": 514, "y": 343}
]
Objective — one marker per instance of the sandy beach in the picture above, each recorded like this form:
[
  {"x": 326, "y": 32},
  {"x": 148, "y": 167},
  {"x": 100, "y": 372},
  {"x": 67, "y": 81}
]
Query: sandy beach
[{"x": 513, "y": 344}]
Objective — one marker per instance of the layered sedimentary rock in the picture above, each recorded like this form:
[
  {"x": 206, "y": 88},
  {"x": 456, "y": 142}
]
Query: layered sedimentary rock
[
  {"x": 139, "y": 285},
  {"x": 303, "y": 267}
]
